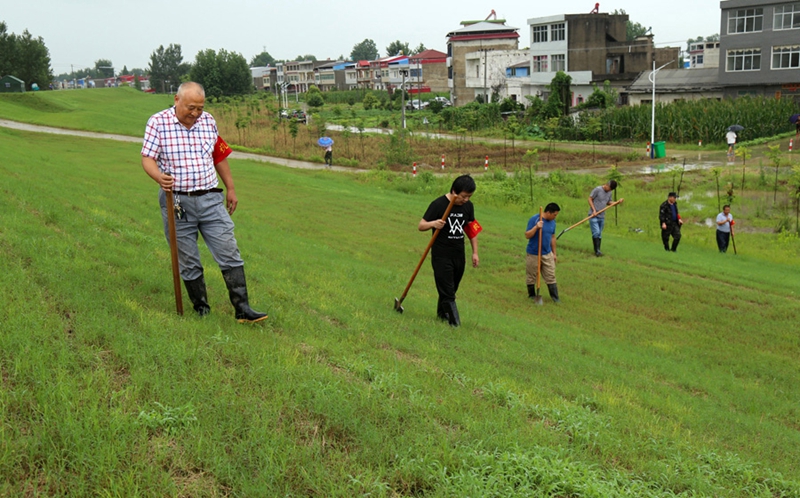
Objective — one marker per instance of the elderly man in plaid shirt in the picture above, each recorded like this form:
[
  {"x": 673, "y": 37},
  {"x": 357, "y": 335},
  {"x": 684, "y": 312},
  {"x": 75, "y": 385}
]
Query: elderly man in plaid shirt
[{"x": 178, "y": 154}]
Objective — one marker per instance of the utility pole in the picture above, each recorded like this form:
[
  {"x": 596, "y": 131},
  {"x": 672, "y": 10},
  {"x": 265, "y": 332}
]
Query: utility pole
[
  {"x": 404, "y": 73},
  {"x": 485, "y": 89}
]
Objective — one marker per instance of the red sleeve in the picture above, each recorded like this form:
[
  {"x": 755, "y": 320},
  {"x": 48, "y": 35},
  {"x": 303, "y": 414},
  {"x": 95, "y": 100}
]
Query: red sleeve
[{"x": 221, "y": 150}]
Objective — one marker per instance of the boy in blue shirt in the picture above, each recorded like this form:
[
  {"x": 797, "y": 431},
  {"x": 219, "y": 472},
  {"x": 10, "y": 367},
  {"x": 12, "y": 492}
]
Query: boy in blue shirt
[{"x": 546, "y": 228}]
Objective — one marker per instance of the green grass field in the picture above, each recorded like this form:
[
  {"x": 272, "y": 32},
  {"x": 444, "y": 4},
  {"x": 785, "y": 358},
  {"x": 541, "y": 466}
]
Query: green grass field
[
  {"x": 108, "y": 110},
  {"x": 659, "y": 375}
]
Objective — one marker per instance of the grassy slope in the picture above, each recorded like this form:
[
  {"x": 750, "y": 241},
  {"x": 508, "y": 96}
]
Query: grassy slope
[
  {"x": 660, "y": 374},
  {"x": 108, "y": 110}
]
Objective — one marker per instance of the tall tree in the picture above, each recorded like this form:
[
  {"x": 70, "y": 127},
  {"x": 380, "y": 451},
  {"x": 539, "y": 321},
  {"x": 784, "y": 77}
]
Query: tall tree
[
  {"x": 8, "y": 49},
  {"x": 421, "y": 48},
  {"x": 166, "y": 67},
  {"x": 397, "y": 47},
  {"x": 33, "y": 61},
  {"x": 222, "y": 73},
  {"x": 104, "y": 68},
  {"x": 364, "y": 51},
  {"x": 560, "y": 94},
  {"x": 633, "y": 30},
  {"x": 307, "y": 57},
  {"x": 125, "y": 71},
  {"x": 262, "y": 59}
]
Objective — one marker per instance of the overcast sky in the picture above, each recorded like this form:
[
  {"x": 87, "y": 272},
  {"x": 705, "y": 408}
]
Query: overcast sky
[{"x": 79, "y": 32}]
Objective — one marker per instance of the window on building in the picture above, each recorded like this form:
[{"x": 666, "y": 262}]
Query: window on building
[
  {"x": 539, "y": 34},
  {"x": 787, "y": 17},
  {"x": 539, "y": 64},
  {"x": 559, "y": 62},
  {"x": 787, "y": 57},
  {"x": 698, "y": 61},
  {"x": 745, "y": 20},
  {"x": 744, "y": 60},
  {"x": 557, "y": 32},
  {"x": 416, "y": 73}
]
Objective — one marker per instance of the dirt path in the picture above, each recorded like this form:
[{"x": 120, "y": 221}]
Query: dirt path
[
  {"x": 289, "y": 163},
  {"x": 693, "y": 160}
]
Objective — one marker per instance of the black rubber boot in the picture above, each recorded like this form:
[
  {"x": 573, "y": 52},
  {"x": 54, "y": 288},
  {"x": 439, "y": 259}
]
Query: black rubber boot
[
  {"x": 237, "y": 290},
  {"x": 553, "y": 289},
  {"x": 531, "y": 291},
  {"x": 197, "y": 294},
  {"x": 441, "y": 313},
  {"x": 455, "y": 320},
  {"x": 675, "y": 244},
  {"x": 596, "y": 243}
]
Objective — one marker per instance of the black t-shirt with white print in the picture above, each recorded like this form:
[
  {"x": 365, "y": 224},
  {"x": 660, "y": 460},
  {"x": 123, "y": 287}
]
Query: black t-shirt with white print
[{"x": 450, "y": 241}]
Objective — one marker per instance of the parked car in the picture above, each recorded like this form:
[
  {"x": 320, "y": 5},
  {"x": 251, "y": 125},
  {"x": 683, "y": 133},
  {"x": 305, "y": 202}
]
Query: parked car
[
  {"x": 297, "y": 114},
  {"x": 416, "y": 104},
  {"x": 443, "y": 100}
]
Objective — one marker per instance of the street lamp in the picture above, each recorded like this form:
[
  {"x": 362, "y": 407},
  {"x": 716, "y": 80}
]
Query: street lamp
[
  {"x": 404, "y": 73},
  {"x": 652, "y": 79}
]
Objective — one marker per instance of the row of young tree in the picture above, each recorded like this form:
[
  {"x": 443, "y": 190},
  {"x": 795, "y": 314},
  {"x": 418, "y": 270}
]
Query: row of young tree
[{"x": 25, "y": 57}]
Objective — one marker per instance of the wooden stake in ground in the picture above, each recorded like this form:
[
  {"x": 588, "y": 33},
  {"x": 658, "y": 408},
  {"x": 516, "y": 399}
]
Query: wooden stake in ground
[
  {"x": 398, "y": 303},
  {"x": 173, "y": 249}
]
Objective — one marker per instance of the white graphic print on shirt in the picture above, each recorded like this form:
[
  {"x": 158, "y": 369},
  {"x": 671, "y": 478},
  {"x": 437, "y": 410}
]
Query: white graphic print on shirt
[{"x": 456, "y": 225}]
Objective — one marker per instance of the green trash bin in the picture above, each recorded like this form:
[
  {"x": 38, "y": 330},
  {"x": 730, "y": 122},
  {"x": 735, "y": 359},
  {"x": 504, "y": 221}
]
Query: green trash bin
[{"x": 659, "y": 150}]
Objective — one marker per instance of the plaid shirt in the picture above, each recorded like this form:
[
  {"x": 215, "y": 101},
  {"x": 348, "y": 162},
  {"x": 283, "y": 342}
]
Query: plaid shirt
[{"x": 185, "y": 154}]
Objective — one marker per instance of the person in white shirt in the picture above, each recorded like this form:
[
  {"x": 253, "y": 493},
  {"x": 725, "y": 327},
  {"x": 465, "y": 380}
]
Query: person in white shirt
[{"x": 724, "y": 224}]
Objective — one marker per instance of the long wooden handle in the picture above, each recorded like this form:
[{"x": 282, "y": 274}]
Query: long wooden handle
[
  {"x": 428, "y": 248},
  {"x": 173, "y": 249},
  {"x": 588, "y": 218},
  {"x": 539, "y": 264}
]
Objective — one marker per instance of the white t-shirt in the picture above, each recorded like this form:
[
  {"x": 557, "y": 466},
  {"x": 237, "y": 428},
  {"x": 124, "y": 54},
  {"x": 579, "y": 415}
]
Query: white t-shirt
[
  {"x": 731, "y": 136},
  {"x": 725, "y": 227}
]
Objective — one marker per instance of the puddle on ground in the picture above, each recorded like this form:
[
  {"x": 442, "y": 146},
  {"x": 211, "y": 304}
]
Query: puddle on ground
[{"x": 663, "y": 168}]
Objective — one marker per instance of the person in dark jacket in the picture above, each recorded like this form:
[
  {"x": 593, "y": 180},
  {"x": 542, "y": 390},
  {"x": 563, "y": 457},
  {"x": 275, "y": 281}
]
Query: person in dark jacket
[{"x": 671, "y": 222}]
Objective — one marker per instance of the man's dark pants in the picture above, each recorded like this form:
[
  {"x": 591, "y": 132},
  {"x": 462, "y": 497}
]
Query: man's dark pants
[
  {"x": 447, "y": 272},
  {"x": 723, "y": 238},
  {"x": 673, "y": 229}
]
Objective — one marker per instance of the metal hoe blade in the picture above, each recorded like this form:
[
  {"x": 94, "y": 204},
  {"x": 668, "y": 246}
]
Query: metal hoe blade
[{"x": 397, "y": 306}]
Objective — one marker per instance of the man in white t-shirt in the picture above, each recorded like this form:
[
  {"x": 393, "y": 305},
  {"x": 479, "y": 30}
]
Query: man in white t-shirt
[{"x": 724, "y": 224}]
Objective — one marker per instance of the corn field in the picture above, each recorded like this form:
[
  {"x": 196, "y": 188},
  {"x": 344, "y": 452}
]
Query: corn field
[{"x": 690, "y": 121}]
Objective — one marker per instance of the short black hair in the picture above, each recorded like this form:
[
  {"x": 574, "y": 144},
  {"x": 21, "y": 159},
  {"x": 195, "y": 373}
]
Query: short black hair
[
  {"x": 726, "y": 206},
  {"x": 612, "y": 184},
  {"x": 552, "y": 208},
  {"x": 463, "y": 183}
]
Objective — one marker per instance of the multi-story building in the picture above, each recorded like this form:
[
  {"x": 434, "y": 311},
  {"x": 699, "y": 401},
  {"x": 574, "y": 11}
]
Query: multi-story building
[
  {"x": 428, "y": 69},
  {"x": 299, "y": 75},
  {"x": 386, "y": 73},
  {"x": 472, "y": 43},
  {"x": 325, "y": 75},
  {"x": 702, "y": 54},
  {"x": 760, "y": 48},
  {"x": 591, "y": 49}
]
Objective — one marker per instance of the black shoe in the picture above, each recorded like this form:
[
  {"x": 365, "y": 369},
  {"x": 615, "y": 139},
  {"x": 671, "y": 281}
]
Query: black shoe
[
  {"x": 197, "y": 294},
  {"x": 237, "y": 291},
  {"x": 531, "y": 291},
  {"x": 553, "y": 289}
]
